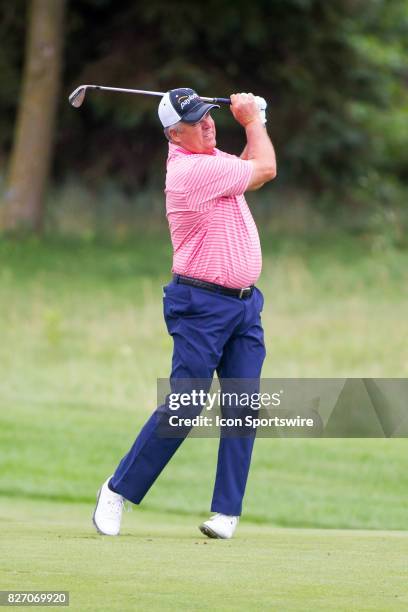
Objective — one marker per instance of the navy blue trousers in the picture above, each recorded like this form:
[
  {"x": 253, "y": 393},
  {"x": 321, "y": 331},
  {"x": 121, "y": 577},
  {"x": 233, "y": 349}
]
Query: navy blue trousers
[{"x": 211, "y": 332}]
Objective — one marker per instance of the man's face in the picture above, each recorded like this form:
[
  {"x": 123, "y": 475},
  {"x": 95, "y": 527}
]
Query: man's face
[{"x": 198, "y": 137}]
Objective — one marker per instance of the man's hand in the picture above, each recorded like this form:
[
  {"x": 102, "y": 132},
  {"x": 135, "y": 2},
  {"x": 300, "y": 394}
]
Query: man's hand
[{"x": 244, "y": 108}]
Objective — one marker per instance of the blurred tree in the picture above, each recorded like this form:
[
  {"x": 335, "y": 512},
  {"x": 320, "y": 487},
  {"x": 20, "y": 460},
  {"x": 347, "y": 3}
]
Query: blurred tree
[{"x": 29, "y": 164}]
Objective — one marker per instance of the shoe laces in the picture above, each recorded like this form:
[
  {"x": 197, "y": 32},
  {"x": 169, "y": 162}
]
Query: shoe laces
[{"x": 115, "y": 506}]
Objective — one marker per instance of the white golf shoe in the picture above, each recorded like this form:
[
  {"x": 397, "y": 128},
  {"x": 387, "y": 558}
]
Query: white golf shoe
[
  {"x": 108, "y": 511},
  {"x": 220, "y": 526}
]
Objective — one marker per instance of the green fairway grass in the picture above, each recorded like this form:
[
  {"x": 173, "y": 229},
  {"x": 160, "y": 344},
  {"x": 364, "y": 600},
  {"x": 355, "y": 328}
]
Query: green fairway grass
[
  {"x": 63, "y": 452},
  {"x": 82, "y": 342},
  {"x": 162, "y": 562}
]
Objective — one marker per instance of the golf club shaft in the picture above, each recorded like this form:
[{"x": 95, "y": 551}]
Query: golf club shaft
[{"x": 160, "y": 94}]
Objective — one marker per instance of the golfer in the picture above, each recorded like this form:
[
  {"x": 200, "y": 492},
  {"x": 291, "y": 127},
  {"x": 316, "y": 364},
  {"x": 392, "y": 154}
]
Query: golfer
[{"x": 211, "y": 307}]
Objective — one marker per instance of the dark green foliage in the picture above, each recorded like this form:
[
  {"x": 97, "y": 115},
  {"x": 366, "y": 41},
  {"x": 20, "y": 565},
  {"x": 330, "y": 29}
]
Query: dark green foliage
[
  {"x": 12, "y": 32},
  {"x": 333, "y": 73}
]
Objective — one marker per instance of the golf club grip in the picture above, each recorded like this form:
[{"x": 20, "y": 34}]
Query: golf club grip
[
  {"x": 222, "y": 100},
  {"x": 216, "y": 100}
]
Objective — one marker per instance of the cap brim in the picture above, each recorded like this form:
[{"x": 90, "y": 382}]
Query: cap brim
[{"x": 198, "y": 113}]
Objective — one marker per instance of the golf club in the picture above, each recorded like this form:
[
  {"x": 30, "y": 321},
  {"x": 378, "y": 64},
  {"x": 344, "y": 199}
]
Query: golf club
[{"x": 77, "y": 97}]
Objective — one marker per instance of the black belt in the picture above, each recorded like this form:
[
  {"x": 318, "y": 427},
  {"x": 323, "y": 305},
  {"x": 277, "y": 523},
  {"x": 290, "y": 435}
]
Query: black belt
[{"x": 195, "y": 282}]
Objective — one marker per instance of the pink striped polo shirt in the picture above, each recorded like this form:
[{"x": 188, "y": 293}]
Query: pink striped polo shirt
[{"x": 212, "y": 230}]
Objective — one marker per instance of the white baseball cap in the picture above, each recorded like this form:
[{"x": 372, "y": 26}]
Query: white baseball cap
[{"x": 182, "y": 104}]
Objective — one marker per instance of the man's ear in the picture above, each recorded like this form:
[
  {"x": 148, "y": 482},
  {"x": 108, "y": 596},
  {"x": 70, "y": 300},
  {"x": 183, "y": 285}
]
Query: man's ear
[{"x": 174, "y": 135}]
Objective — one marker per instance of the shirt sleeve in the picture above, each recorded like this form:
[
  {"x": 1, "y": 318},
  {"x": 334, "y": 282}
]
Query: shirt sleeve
[{"x": 215, "y": 176}]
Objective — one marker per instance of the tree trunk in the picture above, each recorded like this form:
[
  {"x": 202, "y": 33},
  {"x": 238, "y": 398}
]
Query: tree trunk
[{"x": 31, "y": 155}]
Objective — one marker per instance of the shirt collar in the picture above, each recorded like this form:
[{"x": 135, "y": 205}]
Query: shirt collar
[{"x": 176, "y": 151}]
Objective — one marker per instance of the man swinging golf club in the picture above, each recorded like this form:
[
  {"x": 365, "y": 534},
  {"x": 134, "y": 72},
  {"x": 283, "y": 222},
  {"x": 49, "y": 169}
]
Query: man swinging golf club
[{"x": 211, "y": 307}]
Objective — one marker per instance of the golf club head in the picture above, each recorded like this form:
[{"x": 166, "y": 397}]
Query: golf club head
[{"x": 77, "y": 96}]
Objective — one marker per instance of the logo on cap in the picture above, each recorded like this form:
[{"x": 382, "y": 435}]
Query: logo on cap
[{"x": 185, "y": 100}]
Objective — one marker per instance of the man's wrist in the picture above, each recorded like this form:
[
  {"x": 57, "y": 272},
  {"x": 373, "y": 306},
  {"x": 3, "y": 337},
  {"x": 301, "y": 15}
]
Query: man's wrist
[{"x": 257, "y": 120}]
